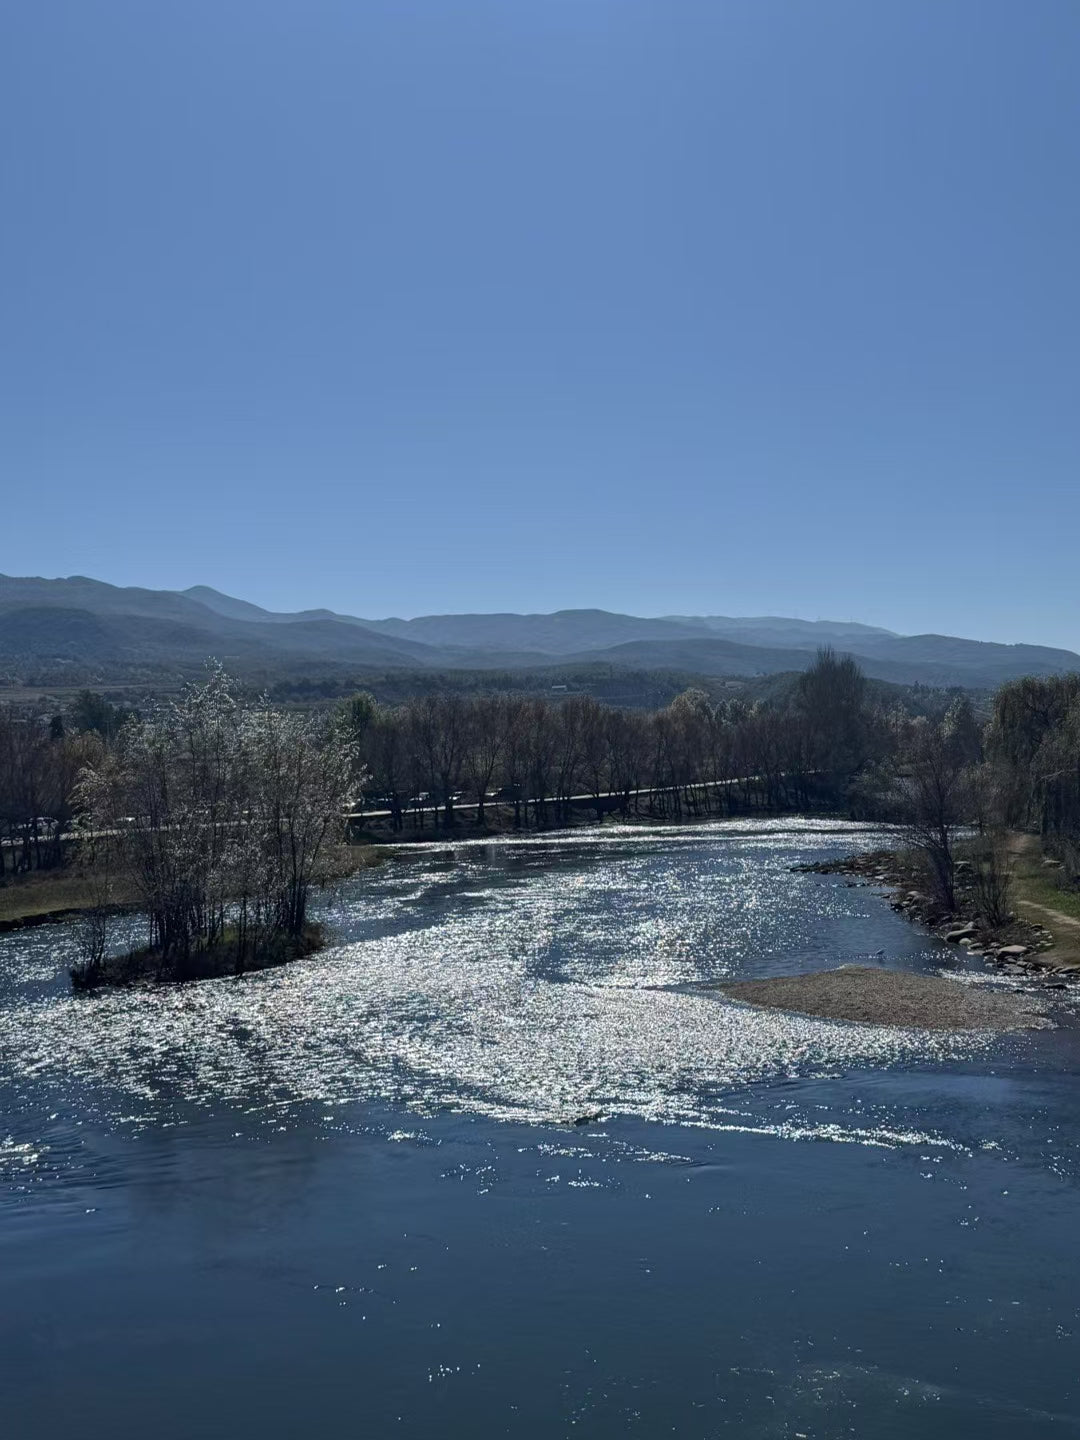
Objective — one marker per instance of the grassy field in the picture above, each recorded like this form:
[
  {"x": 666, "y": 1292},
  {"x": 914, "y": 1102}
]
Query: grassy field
[
  {"x": 43, "y": 892},
  {"x": 1034, "y": 888},
  {"x": 1037, "y": 895}
]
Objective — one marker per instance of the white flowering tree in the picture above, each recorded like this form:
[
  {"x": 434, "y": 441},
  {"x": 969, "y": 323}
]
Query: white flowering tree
[{"x": 220, "y": 815}]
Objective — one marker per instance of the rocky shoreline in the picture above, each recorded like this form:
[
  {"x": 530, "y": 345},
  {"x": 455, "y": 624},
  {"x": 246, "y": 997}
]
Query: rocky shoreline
[{"x": 1019, "y": 947}]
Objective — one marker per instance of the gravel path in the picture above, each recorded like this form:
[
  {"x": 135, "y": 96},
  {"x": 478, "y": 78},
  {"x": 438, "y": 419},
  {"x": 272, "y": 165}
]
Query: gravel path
[{"x": 892, "y": 997}]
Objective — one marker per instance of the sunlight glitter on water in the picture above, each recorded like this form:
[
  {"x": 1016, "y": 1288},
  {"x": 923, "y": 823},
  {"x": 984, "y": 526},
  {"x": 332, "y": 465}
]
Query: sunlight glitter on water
[{"x": 527, "y": 991}]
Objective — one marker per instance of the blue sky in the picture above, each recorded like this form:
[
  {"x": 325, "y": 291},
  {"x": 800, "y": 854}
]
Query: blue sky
[{"x": 404, "y": 306}]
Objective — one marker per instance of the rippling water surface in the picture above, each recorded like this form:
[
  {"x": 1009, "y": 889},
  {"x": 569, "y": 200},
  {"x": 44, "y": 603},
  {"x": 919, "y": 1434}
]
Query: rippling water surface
[{"x": 501, "y": 1162}]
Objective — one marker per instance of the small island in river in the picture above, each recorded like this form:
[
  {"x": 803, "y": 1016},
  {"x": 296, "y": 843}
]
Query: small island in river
[{"x": 874, "y": 996}]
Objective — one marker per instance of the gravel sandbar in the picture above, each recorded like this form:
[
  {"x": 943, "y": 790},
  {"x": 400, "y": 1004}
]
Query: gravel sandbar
[{"x": 892, "y": 997}]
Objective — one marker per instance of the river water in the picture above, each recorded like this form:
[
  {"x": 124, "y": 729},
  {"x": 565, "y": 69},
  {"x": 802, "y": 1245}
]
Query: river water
[{"x": 500, "y": 1163}]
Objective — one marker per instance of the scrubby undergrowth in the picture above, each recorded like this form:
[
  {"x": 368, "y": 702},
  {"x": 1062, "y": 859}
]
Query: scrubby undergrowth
[{"x": 151, "y": 967}]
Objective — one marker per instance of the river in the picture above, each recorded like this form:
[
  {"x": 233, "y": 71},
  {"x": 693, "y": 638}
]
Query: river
[{"x": 499, "y": 1163}]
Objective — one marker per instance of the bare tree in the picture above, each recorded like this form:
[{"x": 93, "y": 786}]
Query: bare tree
[
  {"x": 992, "y": 878},
  {"x": 219, "y": 814},
  {"x": 934, "y": 798},
  {"x": 831, "y": 696},
  {"x": 486, "y": 726},
  {"x": 92, "y": 932}
]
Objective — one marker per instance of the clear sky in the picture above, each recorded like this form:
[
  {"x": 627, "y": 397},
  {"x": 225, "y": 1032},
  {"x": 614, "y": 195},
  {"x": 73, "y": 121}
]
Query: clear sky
[{"x": 401, "y": 306}]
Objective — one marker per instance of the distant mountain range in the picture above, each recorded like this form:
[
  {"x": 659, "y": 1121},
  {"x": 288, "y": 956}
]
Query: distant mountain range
[{"x": 92, "y": 630}]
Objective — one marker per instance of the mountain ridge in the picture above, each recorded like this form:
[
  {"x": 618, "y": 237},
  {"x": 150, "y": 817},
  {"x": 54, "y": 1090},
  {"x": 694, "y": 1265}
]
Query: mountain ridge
[{"x": 80, "y": 620}]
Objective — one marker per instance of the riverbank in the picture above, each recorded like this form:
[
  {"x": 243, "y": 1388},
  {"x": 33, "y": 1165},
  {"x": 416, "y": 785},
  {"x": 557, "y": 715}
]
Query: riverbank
[
  {"x": 45, "y": 897},
  {"x": 700, "y": 804},
  {"x": 48, "y": 897},
  {"x": 1037, "y": 938},
  {"x": 1039, "y": 896}
]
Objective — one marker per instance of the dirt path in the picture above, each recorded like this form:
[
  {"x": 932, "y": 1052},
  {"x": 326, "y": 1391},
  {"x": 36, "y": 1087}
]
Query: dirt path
[
  {"x": 1058, "y": 920},
  {"x": 1027, "y": 853},
  {"x": 1065, "y": 952}
]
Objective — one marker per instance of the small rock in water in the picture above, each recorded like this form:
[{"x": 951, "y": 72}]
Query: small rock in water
[{"x": 955, "y": 936}]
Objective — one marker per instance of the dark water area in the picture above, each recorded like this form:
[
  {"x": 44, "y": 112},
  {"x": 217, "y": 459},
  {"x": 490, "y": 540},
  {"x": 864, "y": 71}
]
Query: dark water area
[{"x": 350, "y": 1196}]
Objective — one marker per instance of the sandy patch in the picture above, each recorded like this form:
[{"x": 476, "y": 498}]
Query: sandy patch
[{"x": 891, "y": 997}]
